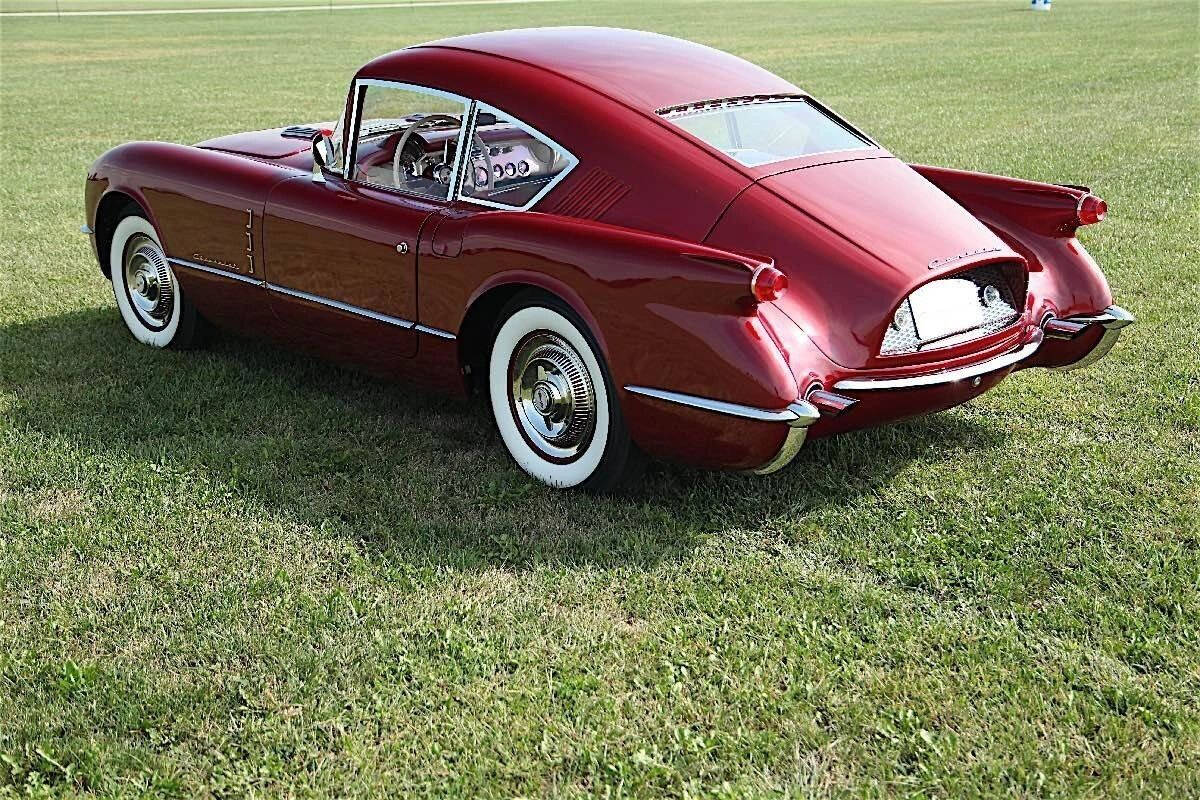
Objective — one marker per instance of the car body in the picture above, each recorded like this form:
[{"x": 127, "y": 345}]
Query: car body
[{"x": 747, "y": 268}]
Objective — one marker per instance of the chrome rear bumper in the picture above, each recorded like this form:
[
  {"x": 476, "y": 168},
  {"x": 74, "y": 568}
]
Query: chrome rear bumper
[
  {"x": 1112, "y": 319},
  {"x": 946, "y": 376},
  {"x": 802, "y": 414}
]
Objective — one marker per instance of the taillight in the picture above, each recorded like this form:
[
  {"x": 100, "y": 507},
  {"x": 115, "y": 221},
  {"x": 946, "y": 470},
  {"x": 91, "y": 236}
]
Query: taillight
[
  {"x": 1091, "y": 210},
  {"x": 768, "y": 283}
]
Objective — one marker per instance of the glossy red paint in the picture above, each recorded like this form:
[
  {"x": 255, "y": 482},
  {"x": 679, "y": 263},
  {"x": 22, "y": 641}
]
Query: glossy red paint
[{"x": 652, "y": 239}]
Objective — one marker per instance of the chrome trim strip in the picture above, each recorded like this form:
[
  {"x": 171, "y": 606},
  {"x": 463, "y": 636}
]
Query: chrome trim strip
[
  {"x": 1113, "y": 319},
  {"x": 224, "y": 273},
  {"x": 949, "y": 376},
  {"x": 434, "y": 332},
  {"x": 799, "y": 414},
  {"x": 316, "y": 298},
  {"x": 541, "y": 137},
  {"x": 340, "y": 306}
]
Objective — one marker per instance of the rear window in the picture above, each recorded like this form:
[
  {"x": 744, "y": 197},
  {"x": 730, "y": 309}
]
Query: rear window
[{"x": 756, "y": 132}]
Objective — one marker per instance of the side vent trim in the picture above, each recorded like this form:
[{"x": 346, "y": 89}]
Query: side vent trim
[{"x": 592, "y": 195}]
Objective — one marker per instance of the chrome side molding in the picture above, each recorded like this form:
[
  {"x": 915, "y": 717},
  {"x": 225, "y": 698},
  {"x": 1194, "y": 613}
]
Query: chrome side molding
[
  {"x": 434, "y": 332},
  {"x": 316, "y": 298},
  {"x": 340, "y": 306},
  {"x": 224, "y": 273}
]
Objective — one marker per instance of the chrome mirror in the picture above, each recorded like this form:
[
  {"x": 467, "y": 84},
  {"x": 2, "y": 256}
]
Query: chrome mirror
[{"x": 323, "y": 155}]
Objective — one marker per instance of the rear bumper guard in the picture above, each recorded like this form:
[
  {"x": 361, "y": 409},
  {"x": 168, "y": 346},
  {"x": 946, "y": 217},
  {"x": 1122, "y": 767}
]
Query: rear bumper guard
[
  {"x": 1113, "y": 319},
  {"x": 798, "y": 416}
]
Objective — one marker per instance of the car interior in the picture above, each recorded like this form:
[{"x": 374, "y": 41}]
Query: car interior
[{"x": 415, "y": 154}]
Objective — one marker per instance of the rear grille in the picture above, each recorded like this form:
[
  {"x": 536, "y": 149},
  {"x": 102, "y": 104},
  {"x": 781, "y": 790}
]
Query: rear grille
[{"x": 965, "y": 306}]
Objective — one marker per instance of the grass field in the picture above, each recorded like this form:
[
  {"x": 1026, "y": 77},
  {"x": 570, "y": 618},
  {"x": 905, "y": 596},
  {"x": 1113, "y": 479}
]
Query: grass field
[
  {"x": 69, "y": 7},
  {"x": 239, "y": 572}
]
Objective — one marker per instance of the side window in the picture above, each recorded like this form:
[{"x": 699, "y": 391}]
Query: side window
[
  {"x": 510, "y": 163},
  {"x": 407, "y": 137}
]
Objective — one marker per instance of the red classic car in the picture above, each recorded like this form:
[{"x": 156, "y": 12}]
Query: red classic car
[{"x": 631, "y": 244}]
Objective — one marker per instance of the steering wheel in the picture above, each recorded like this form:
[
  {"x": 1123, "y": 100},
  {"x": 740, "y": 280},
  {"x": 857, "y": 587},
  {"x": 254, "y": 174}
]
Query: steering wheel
[
  {"x": 476, "y": 139},
  {"x": 423, "y": 122}
]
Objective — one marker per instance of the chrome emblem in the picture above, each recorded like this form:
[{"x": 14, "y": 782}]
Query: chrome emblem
[{"x": 941, "y": 262}]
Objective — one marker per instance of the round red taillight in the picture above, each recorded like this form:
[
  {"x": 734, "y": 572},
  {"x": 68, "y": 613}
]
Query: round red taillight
[
  {"x": 1092, "y": 210},
  {"x": 768, "y": 283}
]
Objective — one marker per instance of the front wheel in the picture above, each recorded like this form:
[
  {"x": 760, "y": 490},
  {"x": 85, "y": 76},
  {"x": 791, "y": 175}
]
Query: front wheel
[
  {"x": 147, "y": 292},
  {"x": 553, "y": 400}
]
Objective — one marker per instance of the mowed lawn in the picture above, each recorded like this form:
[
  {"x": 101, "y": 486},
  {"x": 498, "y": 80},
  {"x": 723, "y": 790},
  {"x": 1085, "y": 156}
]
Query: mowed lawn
[{"x": 242, "y": 572}]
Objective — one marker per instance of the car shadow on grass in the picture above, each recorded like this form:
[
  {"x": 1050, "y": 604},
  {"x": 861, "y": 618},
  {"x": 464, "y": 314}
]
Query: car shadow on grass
[{"x": 416, "y": 476}]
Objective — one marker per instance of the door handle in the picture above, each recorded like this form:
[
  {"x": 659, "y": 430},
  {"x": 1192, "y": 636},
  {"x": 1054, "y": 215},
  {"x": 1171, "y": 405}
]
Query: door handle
[{"x": 402, "y": 248}]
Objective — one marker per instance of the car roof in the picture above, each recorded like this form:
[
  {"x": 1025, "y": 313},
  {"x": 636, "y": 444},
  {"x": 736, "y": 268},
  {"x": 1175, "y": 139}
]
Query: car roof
[{"x": 646, "y": 71}]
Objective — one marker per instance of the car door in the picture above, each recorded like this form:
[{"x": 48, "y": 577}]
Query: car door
[{"x": 342, "y": 251}]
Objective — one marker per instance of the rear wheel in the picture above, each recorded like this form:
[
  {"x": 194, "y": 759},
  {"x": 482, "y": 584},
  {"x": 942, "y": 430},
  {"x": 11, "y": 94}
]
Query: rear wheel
[
  {"x": 553, "y": 400},
  {"x": 148, "y": 295}
]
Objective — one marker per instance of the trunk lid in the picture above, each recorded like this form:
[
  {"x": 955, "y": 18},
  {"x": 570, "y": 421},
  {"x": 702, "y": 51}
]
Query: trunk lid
[{"x": 855, "y": 238}]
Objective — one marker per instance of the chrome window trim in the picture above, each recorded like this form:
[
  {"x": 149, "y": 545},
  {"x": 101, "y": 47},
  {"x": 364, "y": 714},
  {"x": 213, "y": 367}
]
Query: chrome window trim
[
  {"x": 799, "y": 414},
  {"x": 356, "y": 122},
  {"x": 541, "y": 137},
  {"x": 948, "y": 376},
  {"x": 316, "y": 298},
  {"x": 671, "y": 113}
]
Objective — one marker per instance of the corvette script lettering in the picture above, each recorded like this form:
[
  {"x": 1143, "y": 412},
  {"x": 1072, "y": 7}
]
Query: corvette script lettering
[
  {"x": 941, "y": 262},
  {"x": 214, "y": 263}
]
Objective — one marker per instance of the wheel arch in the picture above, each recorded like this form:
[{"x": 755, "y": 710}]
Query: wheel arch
[
  {"x": 482, "y": 316},
  {"x": 109, "y": 212}
]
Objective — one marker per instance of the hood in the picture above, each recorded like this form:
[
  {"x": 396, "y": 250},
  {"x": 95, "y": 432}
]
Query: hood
[
  {"x": 855, "y": 238},
  {"x": 275, "y": 143}
]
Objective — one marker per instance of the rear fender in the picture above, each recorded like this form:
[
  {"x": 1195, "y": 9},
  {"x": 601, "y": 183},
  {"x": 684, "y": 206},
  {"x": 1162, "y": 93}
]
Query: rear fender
[
  {"x": 1039, "y": 221},
  {"x": 667, "y": 313}
]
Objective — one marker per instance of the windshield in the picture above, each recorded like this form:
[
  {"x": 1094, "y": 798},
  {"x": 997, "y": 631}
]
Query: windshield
[{"x": 759, "y": 132}]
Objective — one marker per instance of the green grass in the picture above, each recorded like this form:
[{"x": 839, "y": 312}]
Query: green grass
[
  {"x": 241, "y": 572},
  {"x": 68, "y": 6}
]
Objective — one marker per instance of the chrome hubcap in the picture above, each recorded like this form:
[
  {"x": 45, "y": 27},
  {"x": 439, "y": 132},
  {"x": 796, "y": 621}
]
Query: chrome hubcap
[
  {"x": 552, "y": 396},
  {"x": 148, "y": 280}
]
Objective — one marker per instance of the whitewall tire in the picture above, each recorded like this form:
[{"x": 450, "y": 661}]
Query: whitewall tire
[
  {"x": 553, "y": 401},
  {"x": 146, "y": 289}
]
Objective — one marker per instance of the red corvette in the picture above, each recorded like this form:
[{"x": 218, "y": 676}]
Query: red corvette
[{"x": 632, "y": 244}]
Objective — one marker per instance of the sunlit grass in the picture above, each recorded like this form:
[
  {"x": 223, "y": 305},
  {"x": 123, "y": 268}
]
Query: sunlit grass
[{"x": 242, "y": 572}]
